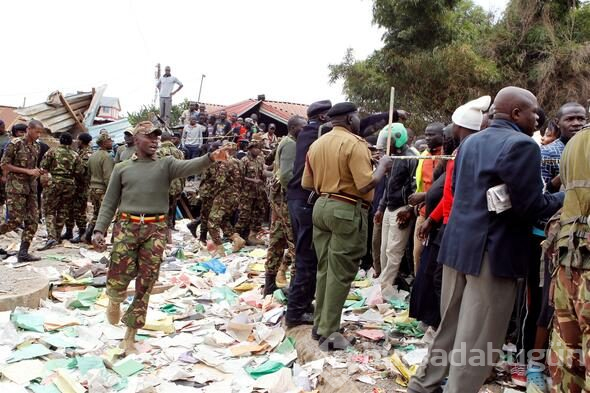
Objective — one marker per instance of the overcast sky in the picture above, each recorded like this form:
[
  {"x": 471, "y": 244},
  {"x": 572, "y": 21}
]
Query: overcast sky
[{"x": 245, "y": 48}]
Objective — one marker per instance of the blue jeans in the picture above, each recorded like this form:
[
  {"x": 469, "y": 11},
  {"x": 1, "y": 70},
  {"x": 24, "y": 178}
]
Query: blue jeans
[{"x": 193, "y": 151}]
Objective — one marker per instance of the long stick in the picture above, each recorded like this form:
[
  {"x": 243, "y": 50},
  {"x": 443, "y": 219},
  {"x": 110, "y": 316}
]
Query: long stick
[{"x": 392, "y": 98}]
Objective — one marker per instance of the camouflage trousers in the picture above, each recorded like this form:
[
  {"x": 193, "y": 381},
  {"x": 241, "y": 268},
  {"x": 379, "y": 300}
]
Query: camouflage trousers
[
  {"x": 281, "y": 238},
  {"x": 77, "y": 214},
  {"x": 569, "y": 357},
  {"x": 220, "y": 218},
  {"x": 252, "y": 207},
  {"x": 96, "y": 196},
  {"x": 206, "y": 203},
  {"x": 137, "y": 254},
  {"x": 22, "y": 209},
  {"x": 57, "y": 198}
]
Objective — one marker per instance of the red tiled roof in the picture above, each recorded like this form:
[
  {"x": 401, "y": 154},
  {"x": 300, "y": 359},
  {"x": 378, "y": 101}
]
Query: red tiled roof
[
  {"x": 8, "y": 115},
  {"x": 281, "y": 111},
  {"x": 211, "y": 108}
]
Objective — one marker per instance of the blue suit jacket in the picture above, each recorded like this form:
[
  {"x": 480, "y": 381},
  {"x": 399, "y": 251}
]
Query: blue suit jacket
[{"x": 501, "y": 154}]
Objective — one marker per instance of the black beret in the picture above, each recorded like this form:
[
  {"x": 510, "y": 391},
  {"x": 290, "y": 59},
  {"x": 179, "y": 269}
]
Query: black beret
[
  {"x": 318, "y": 107},
  {"x": 342, "y": 108}
]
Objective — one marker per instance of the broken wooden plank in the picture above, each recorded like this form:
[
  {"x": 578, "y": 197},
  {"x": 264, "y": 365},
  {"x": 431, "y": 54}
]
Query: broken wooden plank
[{"x": 71, "y": 111}]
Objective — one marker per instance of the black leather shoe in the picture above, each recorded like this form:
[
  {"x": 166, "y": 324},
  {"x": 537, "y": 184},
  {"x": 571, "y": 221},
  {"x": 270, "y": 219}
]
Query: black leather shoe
[
  {"x": 50, "y": 244},
  {"x": 305, "y": 319},
  {"x": 336, "y": 342},
  {"x": 314, "y": 333}
]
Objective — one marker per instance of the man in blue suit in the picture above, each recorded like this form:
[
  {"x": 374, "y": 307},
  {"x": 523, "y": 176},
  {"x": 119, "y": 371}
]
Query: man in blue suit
[{"x": 484, "y": 252}]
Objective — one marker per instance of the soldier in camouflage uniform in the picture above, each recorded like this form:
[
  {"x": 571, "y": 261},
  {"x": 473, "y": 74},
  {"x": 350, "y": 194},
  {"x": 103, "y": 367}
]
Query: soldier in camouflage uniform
[
  {"x": 65, "y": 166},
  {"x": 77, "y": 214},
  {"x": 253, "y": 197},
  {"x": 168, "y": 148},
  {"x": 19, "y": 162},
  {"x": 569, "y": 359},
  {"x": 139, "y": 191},
  {"x": 225, "y": 202},
  {"x": 207, "y": 192},
  {"x": 100, "y": 166},
  {"x": 281, "y": 230}
]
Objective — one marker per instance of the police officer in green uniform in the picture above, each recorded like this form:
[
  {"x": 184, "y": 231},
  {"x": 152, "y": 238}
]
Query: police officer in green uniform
[{"x": 339, "y": 169}]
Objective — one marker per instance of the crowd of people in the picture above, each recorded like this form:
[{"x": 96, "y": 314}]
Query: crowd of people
[{"x": 485, "y": 219}]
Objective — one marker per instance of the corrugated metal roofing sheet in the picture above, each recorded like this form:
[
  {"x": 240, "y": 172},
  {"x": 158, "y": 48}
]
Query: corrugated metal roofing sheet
[{"x": 115, "y": 129}]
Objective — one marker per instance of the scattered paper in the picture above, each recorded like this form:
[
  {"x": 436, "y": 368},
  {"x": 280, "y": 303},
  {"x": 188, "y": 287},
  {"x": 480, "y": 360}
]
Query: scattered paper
[
  {"x": 23, "y": 372},
  {"x": 29, "y": 352}
]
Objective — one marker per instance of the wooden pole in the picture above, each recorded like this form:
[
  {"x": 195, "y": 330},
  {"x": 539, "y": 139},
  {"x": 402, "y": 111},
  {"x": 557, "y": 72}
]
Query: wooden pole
[{"x": 391, "y": 99}]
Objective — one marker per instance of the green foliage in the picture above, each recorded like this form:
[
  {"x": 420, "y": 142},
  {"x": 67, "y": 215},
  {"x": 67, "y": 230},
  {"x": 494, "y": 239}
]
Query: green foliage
[
  {"x": 144, "y": 113},
  {"x": 440, "y": 53}
]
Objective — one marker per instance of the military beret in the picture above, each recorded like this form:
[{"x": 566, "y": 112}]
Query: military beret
[
  {"x": 146, "y": 128},
  {"x": 318, "y": 107},
  {"x": 342, "y": 108},
  {"x": 104, "y": 136}
]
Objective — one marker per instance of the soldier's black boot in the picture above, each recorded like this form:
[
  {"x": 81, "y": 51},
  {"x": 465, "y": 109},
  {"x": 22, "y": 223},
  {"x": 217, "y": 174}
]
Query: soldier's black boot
[
  {"x": 192, "y": 227},
  {"x": 68, "y": 234},
  {"x": 88, "y": 234},
  {"x": 23, "y": 253},
  {"x": 270, "y": 284}
]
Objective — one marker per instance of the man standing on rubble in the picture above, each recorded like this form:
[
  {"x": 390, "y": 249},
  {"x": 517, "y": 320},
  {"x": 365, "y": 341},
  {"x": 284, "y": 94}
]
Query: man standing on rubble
[
  {"x": 80, "y": 204},
  {"x": 300, "y": 204},
  {"x": 339, "y": 168},
  {"x": 100, "y": 165},
  {"x": 225, "y": 202},
  {"x": 253, "y": 196},
  {"x": 166, "y": 87},
  {"x": 281, "y": 230},
  {"x": 138, "y": 189},
  {"x": 65, "y": 167},
  {"x": 19, "y": 163}
]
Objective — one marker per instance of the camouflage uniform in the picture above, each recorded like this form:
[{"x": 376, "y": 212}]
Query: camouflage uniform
[
  {"x": 225, "y": 202},
  {"x": 137, "y": 254},
  {"x": 77, "y": 214},
  {"x": 281, "y": 232},
  {"x": 569, "y": 357},
  {"x": 101, "y": 166},
  {"x": 21, "y": 190},
  {"x": 177, "y": 185},
  {"x": 207, "y": 191},
  {"x": 253, "y": 197},
  {"x": 65, "y": 166}
]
